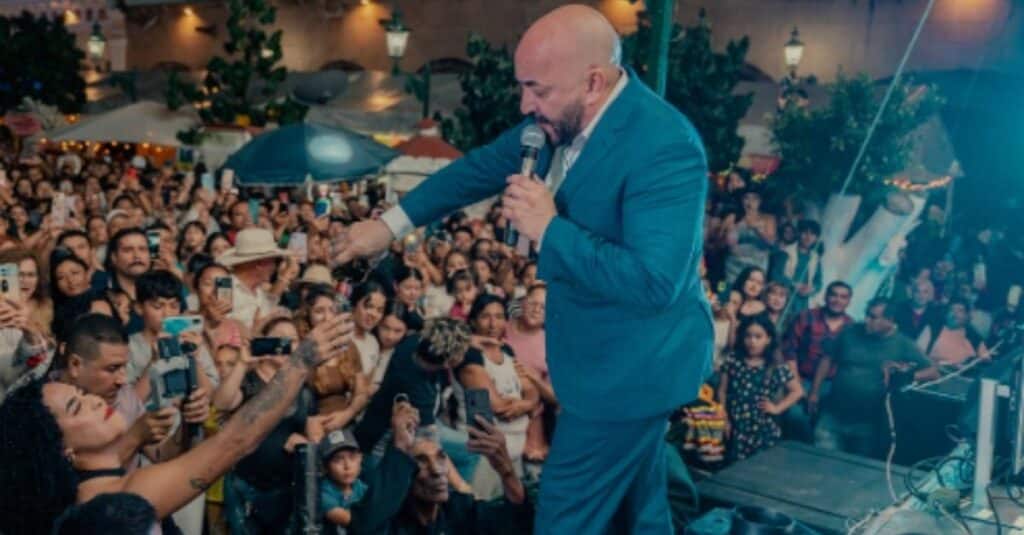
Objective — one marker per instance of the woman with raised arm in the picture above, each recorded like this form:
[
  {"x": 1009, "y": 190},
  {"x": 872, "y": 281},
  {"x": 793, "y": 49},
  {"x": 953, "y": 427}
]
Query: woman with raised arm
[{"x": 59, "y": 445}]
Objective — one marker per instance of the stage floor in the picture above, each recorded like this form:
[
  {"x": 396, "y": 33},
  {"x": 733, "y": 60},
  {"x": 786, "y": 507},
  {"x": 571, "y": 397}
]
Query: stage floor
[{"x": 823, "y": 489}]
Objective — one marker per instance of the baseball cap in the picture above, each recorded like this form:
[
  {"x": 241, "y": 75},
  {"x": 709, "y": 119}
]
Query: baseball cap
[{"x": 336, "y": 441}]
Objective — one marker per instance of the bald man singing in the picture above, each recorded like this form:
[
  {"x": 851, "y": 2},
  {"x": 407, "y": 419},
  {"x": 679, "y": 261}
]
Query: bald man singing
[{"x": 615, "y": 212}]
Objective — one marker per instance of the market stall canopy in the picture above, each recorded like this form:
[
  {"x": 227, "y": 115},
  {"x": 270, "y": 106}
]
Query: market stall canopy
[
  {"x": 376, "y": 101},
  {"x": 142, "y": 122},
  {"x": 421, "y": 156},
  {"x": 290, "y": 154}
]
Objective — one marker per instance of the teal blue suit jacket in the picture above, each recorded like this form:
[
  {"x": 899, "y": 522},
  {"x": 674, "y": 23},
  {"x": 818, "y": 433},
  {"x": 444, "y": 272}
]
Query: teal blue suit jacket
[{"x": 628, "y": 328}]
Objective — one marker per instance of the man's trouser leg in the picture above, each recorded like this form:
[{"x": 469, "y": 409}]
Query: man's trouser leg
[{"x": 595, "y": 468}]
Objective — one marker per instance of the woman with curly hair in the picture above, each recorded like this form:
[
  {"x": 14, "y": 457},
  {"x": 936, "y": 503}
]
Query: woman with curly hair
[{"x": 60, "y": 446}]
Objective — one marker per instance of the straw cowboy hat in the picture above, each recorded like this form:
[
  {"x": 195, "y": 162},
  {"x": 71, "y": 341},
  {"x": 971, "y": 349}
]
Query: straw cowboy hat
[
  {"x": 317, "y": 274},
  {"x": 251, "y": 244}
]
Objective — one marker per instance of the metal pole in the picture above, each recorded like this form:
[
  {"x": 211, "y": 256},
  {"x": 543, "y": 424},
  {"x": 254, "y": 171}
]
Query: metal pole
[
  {"x": 888, "y": 94},
  {"x": 661, "y": 12},
  {"x": 985, "y": 445}
]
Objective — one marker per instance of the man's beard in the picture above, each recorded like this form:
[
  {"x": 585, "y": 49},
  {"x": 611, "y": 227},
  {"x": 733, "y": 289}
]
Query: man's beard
[
  {"x": 569, "y": 125},
  {"x": 831, "y": 313}
]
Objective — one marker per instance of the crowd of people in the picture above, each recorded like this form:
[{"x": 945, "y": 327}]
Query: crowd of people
[
  {"x": 368, "y": 371},
  {"x": 787, "y": 367},
  {"x": 118, "y": 271}
]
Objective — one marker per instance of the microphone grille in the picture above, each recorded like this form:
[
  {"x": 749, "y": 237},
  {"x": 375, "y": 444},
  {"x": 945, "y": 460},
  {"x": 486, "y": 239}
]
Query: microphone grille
[{"x": 533, "y": 137}]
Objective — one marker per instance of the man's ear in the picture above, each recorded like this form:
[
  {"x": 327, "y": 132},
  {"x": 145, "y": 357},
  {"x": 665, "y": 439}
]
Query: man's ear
[{"x": 75, "y": 364}]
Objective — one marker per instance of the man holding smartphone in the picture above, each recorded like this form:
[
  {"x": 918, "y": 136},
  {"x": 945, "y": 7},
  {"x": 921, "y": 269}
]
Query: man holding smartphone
[
  {"x": 414, "y": 375},
  {"x": 409, "y": 490}
]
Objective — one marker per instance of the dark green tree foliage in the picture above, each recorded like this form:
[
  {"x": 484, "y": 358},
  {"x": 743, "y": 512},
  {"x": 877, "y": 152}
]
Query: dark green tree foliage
[
  {"x": 490, "y": 97},
  {"x": 701, "y": 84},
  {"x": 244, "y": 82},
  {"x": 817, "y": 147},
  {"x": 39, "y": 59}
]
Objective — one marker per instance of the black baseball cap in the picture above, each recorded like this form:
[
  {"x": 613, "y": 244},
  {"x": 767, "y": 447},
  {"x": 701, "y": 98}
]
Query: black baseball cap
[{"x": 336, "y": 441}]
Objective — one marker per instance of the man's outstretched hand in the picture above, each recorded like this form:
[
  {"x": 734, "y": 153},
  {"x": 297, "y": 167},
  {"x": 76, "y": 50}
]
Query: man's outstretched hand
[{"x": 361, "y": 239}]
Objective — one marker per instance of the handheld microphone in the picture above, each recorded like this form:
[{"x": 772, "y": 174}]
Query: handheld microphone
[{"x": 532, "y": 140}]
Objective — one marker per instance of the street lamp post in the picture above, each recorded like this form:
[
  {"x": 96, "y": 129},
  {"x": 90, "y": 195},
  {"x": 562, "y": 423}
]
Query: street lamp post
[
  {"x": 397, "y": 36},
  {"x": 397, "y": 40},
  {"x": 96, "y": 46},
  {"x": 794, "y": 52},
  {"x": 792, "y": 91}
]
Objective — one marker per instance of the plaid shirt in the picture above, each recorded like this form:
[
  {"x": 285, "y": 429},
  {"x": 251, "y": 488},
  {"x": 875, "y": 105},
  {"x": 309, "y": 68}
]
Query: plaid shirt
[{"x": 809, "y": 338}]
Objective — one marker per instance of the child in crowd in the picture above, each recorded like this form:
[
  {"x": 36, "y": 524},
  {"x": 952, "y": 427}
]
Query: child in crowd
[
  {"x": 341, "y": 488},
  {"x": 752, "y": 379},
  {"x": 159, "y": 296},
  {"x": 462, "y": 286}
]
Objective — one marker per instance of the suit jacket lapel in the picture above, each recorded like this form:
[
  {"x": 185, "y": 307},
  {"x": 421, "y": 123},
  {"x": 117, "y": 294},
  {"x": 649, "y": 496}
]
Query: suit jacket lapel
[{"x": 601, "y": 141}]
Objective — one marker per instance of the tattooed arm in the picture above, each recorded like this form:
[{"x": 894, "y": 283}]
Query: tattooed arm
[{"x": 170, "y": 485}]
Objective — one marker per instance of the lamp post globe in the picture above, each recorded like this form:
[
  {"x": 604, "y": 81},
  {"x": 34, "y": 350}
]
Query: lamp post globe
[
  {"x": 794, "y": 51},
  {"x": 97, "y": 44}
]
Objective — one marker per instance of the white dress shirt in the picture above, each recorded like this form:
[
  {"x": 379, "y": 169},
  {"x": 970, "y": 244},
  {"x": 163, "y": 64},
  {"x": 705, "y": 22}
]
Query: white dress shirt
[{"x": 246, "y": 303}]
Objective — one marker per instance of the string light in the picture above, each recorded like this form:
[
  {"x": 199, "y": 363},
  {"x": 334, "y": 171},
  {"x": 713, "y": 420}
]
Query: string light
[{"x": 906, "y": 185}]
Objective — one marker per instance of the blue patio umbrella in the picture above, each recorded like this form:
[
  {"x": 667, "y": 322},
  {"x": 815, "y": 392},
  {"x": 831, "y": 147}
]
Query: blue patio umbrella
[{"x": 289, "y": 154}]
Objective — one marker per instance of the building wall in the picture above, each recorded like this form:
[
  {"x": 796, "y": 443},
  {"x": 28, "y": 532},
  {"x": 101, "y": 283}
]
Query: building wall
[
  {"x": 79, "y": 17},
  {"x": 838, "y": 33}
]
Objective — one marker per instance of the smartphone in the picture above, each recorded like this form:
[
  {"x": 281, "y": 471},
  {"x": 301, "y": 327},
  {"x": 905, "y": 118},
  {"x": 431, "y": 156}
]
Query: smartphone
[
  {"x": 227, "y": 179},
  {"x": 298, "y": 243},
  {"x": 153, "y": 240},
  {"x": 169, "y": 347},
  {"x": 268, "y": 346},
  {"x": 10, "y": 284},
  {"x": 478, "y": 401},
  {"x": 176, "y": 325},
  {"x": 225, "y": 290},
  {"x": 322, "y": 207},
  {"x": 59, "y": 210},
  {"x": 342, "y": 305},
  {"x": 206, "y": 180},
  {"x": 254, "y": 210}
]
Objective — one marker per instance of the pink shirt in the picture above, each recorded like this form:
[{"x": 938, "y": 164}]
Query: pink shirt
[
  {"x": 459, "y": 312},
  {"x": 952, "y": 347},
  {"x": 529, "y": 347}
]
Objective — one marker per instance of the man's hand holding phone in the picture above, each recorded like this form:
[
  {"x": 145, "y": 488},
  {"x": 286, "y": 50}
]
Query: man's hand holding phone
[{"x": 486, "y": 439}]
